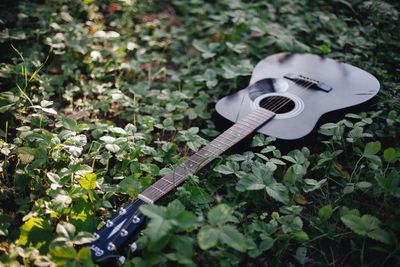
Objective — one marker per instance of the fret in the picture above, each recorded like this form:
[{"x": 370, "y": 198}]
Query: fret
[
  {"x": 208, "y": 151},
  {"x": 220, "y": 141},
  {"x": 196, "y": 158},
  {"x": 257, "y": 116},
  {"x": 163, "y": 179},
  {"x": 206, "y": 154},
  {"x": 253, "y": 119},
  {"x": 178, "y": 174},
  {"x": 248, "y": 123},
  {"x": 189, "y": 168},
  {"x": 170, "y": 178},
  {"x": 232, "y": 129},
  {"x": 226, "y": 138},
  {"x": 265, "y": 113},
  {"x": 248, "y": 127},
  {"x": 211, "y": 144},
  {"x": 233, "y": 136},
  {"x": 193, "y": 162},
  {"x": 158, "y": 189},
  {"x": 201, "y": 160}
]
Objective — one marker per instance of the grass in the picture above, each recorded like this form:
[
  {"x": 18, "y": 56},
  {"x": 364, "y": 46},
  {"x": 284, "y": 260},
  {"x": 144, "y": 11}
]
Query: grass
[{"x": 128, "y": 87}]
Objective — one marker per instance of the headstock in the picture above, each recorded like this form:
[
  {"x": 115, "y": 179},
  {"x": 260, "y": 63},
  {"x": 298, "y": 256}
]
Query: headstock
[{"x": 116, "y": 231}]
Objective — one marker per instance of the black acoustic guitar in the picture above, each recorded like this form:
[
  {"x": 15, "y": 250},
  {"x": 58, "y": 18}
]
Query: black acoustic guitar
[{"x": 287, "y": 95}]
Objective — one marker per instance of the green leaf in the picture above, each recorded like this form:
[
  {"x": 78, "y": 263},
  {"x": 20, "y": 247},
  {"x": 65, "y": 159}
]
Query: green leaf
[
  {"x": 158, "y": 228},
  {"x": 185, "y": 219},
  {"x": 247, "y": 181},
  {"x": 363, "y": 185},
  {"x": 84, "y": 254},
  {"x": 114, "y": 148},
  {"x": 381, "y": 235},
  {"x": 198, "y": 195},
  {"x": 174, "y": 209},
  {"x": 290, "y": 175},
  {"x": 242, "y": 68},
  {"x": 325, "y": 212},
  {"x": 372, "y": 148},
  {"x": 207, "y": 50},
  {"x": 35, "y": 232},
  {"x": 361, "y": 225},
  {"x": 183, "y": 245},
  {"x": 153, "y": 211},
  {"x": 88, "y": 181},
  {"x": 66, "y": 230},
  {"x": 26, "y": 154},
  {"x": 260, "y": 177},
  {"x": 208, "y": 237},
  {"x": 311, "y": 184},
  {"x": 63, "y": 252},
  {"x": 391, "y": 155},
  {"x": 255, "y": 186},
  {"x": 267, "y": 243},
  {"x": 165, "y": 220},
  {"x": 300, "y": 236},
  {"x": 229, "y": 168},
  {"x": 278, "y": 192},
  {"x": 291, "y": 223},
  {"x": 233, "y": 238},
  {"x": 62, "y": 200},
  {"x": 301, "y": 255},
  {"x": 258, "y": 140},
  {"x": 220, "y": 214}
]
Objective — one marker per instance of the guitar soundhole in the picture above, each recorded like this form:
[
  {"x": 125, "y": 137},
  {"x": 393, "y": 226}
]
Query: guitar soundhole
[{"x": 277, "y": 104}]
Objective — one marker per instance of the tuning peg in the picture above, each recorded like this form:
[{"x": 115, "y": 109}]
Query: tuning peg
[
  {"x": 122, "y": 211},
  {"x": 96, "y": 236},
  {"x": 121, "y": 260},
  {"x": 135, "y": 219},
  {"x": 109, "y": 224},
  {"x": 124, "y": 232},
  {"x": 133, "y": 247},
  {"x": 111, "y": 246}
]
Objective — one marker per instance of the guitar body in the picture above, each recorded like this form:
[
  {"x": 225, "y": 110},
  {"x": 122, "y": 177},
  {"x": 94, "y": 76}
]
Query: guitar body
[
  {"x": 349, "y": 85},
  {"x": 287, "y": 95}
]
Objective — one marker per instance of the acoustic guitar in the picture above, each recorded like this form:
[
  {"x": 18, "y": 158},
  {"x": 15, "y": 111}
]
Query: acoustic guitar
[{"x": 287, "y": 95}]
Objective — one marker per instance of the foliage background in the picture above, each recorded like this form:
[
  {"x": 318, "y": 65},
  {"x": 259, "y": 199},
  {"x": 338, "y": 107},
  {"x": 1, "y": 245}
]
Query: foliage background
[{"x": 99, "y": 99}]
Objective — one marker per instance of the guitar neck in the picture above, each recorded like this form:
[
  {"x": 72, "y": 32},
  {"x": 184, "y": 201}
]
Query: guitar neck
[{"x": 216, "y": 147}]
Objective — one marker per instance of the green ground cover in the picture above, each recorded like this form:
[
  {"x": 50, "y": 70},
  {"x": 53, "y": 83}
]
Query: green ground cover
[{"x": 98, "y": 99}]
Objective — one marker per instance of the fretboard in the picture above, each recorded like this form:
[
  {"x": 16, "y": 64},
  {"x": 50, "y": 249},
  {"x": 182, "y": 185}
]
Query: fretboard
[{"x": 216, "y": 147}]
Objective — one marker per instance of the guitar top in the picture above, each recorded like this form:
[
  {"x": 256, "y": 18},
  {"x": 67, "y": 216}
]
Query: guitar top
[
  {"x": 332, "y": 86},
  {"x": 287, "y": 95}
]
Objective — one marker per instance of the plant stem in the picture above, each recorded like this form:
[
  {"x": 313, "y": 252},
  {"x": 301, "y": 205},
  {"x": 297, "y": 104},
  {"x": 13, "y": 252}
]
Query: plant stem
[
  {"x": 355, "y": 167},
  {"x": 134, "y": 110},
  {"x": 362, "y": 252},
  {"x": 6, "y": 132}
]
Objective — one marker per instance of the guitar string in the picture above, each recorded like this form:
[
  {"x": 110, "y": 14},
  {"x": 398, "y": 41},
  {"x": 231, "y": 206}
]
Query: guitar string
[
  {"x": 125, "y": 226},
  {"x": 276, "y": 105},
  {"x": 278, "y": 96},
  {"x": 285, "y": 100}
]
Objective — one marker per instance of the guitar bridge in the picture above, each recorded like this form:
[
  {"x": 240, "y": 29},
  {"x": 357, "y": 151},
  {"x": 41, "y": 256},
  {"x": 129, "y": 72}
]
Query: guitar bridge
[{"x": 308, "y": 82}]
